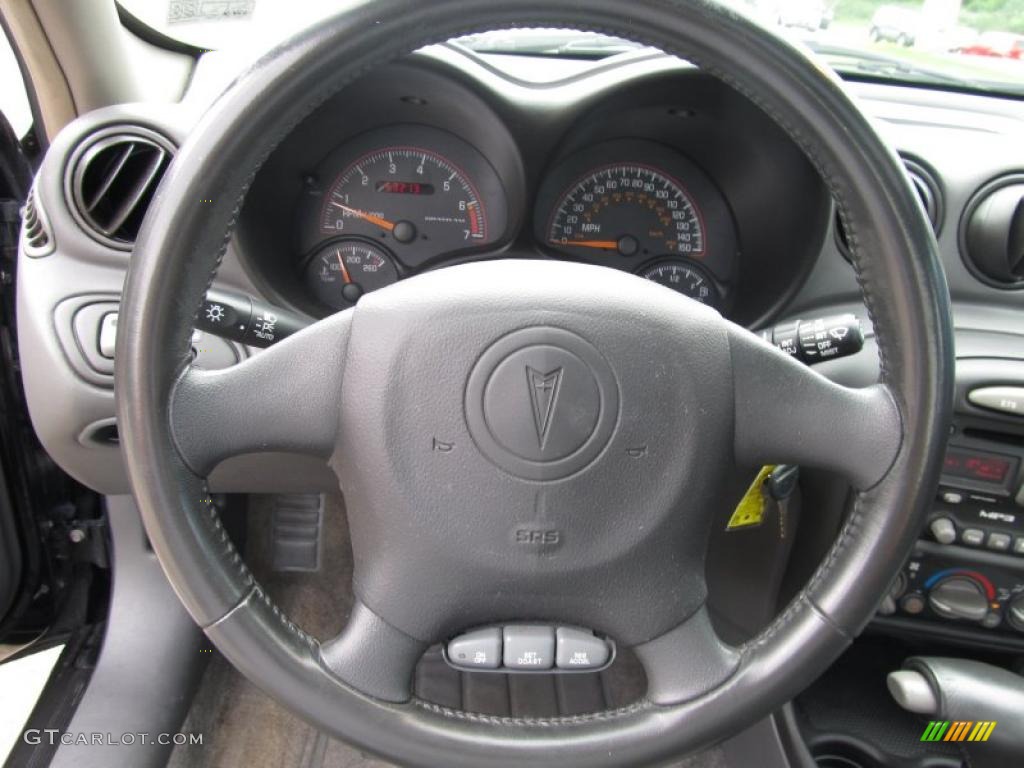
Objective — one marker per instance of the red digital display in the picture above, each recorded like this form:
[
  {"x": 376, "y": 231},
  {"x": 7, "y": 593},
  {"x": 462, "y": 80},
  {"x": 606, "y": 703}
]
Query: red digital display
[
  {"x": 405, "y": 188},
  {"x": 982, "y": 467}
]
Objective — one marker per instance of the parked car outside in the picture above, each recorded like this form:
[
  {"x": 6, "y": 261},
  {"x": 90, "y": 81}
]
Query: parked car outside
[
  {"x": 811, "y": 15},
  {"x": 1000, "y": 44},
  {"x": 895, "y": 24}
]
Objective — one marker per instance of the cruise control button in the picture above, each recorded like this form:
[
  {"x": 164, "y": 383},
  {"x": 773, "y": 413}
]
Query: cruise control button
[
  {"x": 973, "y": 536},
  {"x": 999, "y": 541},
  {"x": 529, "y": 647},
  {"x": 480, "y": 649},
  {"x": 578, "y": 649}
]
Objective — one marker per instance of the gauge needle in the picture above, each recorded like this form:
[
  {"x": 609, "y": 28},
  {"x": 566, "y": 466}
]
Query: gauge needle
[
  {"x": 383, "y": 223},
  {"x": 344, "y": 271},
  {"x": 604, "y": 245}
]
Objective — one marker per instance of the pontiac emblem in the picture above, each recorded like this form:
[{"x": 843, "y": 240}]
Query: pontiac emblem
[{"x": 543, "y": 388}]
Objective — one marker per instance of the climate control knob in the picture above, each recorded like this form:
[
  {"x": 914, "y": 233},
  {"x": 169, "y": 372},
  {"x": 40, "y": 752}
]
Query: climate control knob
[
  {"x": 1015, "y": 613},
  {"x": 959, "y": 597}
]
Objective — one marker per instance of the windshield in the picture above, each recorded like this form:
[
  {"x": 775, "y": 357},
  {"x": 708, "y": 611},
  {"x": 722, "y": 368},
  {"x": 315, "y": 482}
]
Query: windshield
[{"x": 973, "y": 44}]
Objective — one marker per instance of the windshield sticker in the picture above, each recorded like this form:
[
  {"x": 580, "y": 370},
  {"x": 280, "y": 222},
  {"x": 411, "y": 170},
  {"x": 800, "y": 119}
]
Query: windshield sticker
[{"x": 208, "y": 10}]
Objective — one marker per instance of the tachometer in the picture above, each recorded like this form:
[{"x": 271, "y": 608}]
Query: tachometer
[
  {"x": 629, "y": 209},
  {"x": 406, "y": 195}
]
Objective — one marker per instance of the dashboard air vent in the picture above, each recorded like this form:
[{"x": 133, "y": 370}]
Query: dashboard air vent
[
  {"x": 114, "y": 175},
  {"x": 992, "y": 233},
  {"x": 36, "y": 237},
  {"x": 927, "y": 189}
]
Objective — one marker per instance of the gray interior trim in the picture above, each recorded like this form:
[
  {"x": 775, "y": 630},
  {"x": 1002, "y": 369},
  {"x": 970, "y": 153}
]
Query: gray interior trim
[
  {"x": 150, "y": 664},
  {"x": 91, "y": 47}
]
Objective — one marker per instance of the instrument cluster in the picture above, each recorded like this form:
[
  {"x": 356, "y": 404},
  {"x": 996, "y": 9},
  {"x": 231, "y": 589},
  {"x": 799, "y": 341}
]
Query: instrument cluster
[
  {"x": 651, "y": 168},
  {"x": 398, "y": 200}
]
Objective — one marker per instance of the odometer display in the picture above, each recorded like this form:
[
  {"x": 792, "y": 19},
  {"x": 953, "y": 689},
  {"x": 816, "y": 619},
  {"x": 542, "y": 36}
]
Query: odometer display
[
  {"x": 405, "y": 188},
  {"x": 630, "y": 209}
]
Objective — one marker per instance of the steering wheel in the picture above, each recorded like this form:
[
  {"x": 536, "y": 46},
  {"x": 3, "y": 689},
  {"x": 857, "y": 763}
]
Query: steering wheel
[{"x": 647, "y": 399}]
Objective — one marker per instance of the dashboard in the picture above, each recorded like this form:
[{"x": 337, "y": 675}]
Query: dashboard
[
  {"x": 640, "y": 163},
  {"x": 672, "y": 178}
]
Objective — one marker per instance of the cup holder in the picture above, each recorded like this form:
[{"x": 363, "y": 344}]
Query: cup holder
[
  {"x": 849, "y": 753},
  {"x": 837, "y": 761}
]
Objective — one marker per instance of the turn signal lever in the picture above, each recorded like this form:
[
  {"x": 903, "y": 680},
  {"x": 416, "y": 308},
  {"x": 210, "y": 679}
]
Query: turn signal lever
[
  {"x": 242, "y": 319},
  {"x": 815, "y": 341},
  {"x": 976, "y": 705}
]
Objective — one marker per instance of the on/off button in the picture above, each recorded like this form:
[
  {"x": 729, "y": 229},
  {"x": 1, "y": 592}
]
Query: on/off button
[{"x": 480, "y": 649}]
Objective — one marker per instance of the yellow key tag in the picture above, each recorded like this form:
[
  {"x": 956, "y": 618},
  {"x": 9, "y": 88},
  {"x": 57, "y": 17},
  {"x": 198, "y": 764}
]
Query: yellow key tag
[{"x": 750, "y": 511}]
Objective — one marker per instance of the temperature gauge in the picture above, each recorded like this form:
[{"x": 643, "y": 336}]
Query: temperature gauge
[{"x": 342, "y": 271}]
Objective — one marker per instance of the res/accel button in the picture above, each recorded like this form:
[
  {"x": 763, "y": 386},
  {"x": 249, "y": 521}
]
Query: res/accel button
[{"x": 578, "y": 649}]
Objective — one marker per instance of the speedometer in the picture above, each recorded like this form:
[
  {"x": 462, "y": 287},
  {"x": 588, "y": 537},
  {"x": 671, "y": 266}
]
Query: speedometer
[{"x": 629, "y": 209}]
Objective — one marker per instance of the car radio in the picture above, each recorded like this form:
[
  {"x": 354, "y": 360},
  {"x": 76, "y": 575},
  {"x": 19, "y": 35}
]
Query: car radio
[
  {"x": 980, "y": 502},
  {"x": 967, "y": 571}
]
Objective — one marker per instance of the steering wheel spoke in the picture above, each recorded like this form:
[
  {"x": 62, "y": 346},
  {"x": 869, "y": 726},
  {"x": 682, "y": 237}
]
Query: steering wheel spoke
[
  {"x": 372, "y": 656},
  {"x": 789, "y": 413},
  {"x": 283, "y": 399},
  {"x": 687, "y": 661}
]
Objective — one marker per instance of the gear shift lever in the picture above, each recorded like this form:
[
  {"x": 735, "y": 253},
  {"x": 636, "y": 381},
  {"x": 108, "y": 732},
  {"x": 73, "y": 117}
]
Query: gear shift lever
[{"x": 960, "y": 690}]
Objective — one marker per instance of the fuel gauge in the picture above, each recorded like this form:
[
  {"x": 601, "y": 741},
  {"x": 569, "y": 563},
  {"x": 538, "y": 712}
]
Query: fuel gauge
[
  {"x": 686, "y": 278},
  {"x": 340, "y": 272}
]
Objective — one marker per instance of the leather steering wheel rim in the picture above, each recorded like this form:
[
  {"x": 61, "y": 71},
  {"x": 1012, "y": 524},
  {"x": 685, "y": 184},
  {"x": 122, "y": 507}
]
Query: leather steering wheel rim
[{"x": 177, "y": 254}]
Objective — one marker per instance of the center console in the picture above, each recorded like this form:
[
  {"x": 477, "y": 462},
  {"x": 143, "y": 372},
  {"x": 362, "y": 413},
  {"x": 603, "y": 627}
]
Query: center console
[{"x": 965, "y": 577}]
